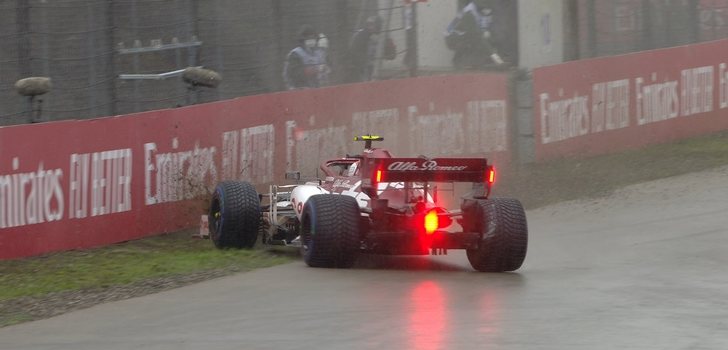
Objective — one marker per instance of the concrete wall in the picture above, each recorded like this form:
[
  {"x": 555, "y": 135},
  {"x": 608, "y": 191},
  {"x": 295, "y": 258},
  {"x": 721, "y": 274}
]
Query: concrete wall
[
  {"x": 541, "y": 32},
  {"x": 433, "y": 17}
]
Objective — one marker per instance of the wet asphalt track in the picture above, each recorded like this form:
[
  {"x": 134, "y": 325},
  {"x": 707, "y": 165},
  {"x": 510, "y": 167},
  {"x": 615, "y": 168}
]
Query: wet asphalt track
[{"x": 646, "y": 268}]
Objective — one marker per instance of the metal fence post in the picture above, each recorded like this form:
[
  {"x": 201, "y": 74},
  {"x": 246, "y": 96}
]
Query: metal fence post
[
  {"x": 412, "y": 58},
  {"x": 218, "y": 48},
  {"x": 179, "y": 88},
  {"x": 91, "y": 59},
  {"x": 46, "y": 32},
  {"x": 572, "y": 43},
  {"x": 694, "y": 19},
  {"x": 342, "y": 39},
  {"x": 278, "y": 42},
  {"x": 382, "y": 40},
  {"x": 135, "y": 58},
  {"x": 592, "y": 28},
  {"x": 646, "y": 27},
  {"x": 111, "y": 63},
  {"x": 23, "y": 25},
  {"x": 192, "y": 31}
]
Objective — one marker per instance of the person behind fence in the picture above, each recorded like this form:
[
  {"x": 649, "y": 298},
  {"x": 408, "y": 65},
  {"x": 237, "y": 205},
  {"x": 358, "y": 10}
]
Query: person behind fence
[
  {"x": 322, "y": 50},
  {"x": 362, "y": 52},
  {"x": 305, "y": 65},
  {"x": 469, "y": 35}
]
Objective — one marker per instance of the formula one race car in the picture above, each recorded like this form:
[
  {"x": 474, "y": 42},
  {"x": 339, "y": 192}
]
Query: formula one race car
[{"x": 374, "y": 203}]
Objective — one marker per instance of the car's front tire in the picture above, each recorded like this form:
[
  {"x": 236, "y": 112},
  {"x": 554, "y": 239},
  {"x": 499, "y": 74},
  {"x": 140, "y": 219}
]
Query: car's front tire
[{"x": 234, "y": 216}]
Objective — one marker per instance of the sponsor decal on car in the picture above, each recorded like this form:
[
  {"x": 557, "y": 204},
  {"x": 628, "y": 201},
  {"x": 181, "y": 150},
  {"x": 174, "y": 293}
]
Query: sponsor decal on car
[{"x": 429, "y": 165}]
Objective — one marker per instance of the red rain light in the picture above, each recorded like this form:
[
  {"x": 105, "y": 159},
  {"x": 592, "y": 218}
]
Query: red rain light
[
  {"x": 432, "y": 222},
  {"x": 491, "y": 175},
  {"x": 379, "y": 176}
]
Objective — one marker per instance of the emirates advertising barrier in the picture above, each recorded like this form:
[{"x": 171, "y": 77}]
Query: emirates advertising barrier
[
  {"x": 611, "y": 104},
  {"x": 78, "y": 184}
]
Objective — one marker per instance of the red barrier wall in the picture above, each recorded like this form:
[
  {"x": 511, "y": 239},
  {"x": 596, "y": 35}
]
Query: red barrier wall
[
  {"x": 616, "y": 103},
  {"x": 78, "y": 184}
]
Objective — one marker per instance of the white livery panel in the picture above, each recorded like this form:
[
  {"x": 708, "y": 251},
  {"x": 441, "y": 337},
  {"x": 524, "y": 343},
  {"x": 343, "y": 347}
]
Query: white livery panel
[{"x": 301, "y": 194}]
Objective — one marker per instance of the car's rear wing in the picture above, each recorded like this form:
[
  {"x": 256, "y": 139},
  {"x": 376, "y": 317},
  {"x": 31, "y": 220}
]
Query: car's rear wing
[{"x": 379, "y": 170}]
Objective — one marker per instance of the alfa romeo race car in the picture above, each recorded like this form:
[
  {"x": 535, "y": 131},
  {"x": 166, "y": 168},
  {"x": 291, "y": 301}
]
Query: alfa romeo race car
[{"x": 374, "y": 203}]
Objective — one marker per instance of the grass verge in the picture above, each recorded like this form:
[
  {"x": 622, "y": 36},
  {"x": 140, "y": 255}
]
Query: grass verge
[{"x": 45, "y": 286}]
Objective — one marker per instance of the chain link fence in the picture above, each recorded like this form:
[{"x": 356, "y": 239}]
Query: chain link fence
[
  {"x": 108, "y": 57},
  {"x": 606, "y": 27}
]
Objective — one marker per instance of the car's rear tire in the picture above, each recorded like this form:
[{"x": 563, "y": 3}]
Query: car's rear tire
[
  {"x": 234, "y": 216},
  {"x": 503, "y": 230},
  {"x": 330, "y": 231}
]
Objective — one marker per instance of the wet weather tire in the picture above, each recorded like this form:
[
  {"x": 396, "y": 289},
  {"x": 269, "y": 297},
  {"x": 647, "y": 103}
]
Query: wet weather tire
[
  {"x": 234, "y": 216},
  {"x": 330, "y": 231},
  {"x": 503, "y": 242}
]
